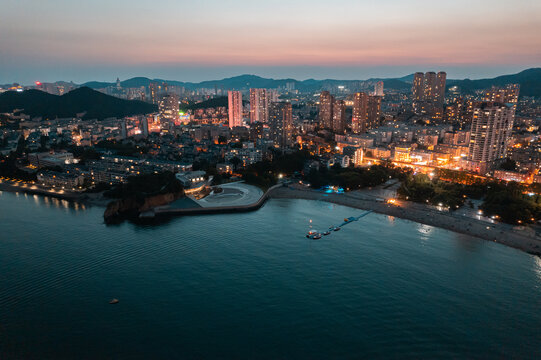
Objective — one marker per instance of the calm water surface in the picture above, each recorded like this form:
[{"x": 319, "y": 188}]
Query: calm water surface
[{"x": 252, "y": 286}]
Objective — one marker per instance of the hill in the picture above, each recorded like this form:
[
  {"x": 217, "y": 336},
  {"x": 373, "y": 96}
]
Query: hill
[
  {"x": 96, "y": 105},
  {"x": 529, "y": 80},
  {"x": 221, "y": 101}
]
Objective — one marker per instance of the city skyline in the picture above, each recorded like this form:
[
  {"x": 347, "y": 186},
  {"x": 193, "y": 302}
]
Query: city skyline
[{"x": 200, "y": 41}]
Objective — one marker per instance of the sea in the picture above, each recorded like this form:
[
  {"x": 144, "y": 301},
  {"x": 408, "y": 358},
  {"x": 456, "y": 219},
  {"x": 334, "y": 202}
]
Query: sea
[{"x": 252, "y": 286}]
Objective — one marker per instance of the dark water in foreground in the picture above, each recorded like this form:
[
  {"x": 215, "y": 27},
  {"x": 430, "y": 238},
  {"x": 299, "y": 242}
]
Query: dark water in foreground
[{"x": 252, "y": 286}]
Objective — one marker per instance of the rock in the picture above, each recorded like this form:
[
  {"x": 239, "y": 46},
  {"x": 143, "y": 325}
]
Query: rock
[{"x": 131, "y": 207}]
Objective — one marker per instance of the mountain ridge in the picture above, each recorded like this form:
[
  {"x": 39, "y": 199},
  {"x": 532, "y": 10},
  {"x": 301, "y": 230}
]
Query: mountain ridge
[{"x": 529, "y": 79}]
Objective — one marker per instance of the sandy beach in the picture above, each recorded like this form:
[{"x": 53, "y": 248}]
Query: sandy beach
[{"x": 504, "y": 234}]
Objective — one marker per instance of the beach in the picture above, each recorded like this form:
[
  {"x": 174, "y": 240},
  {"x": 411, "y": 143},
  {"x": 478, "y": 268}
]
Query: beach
[{"x": 522, "y": 238}]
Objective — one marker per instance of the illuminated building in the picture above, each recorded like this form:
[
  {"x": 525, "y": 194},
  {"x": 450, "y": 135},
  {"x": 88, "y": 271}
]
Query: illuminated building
[
  {"x": 402, "y": 154},
  {"x": 439, "y": 89},
  {"x": 429, "y": 86},
  {"x": 259, "y": 105},
  {"x": 156, "y": 90},
  {"x": 366, "y": 112},
  {"x": 339, "y": 116},
  {"x": 281, "y": 123},
  {"x": 378, "y": 88},
  {"x": 360, "y": 112},
  {"x": 234, "y": 108},
  {"x": 428, "y": 92},
  {"x": 508, "y": 94},
  {"x": 325, "y": 110},
  {"x": 373, "y": 112},
  {"x": 491, "y": 129},
  {"x": 153, "y": 90},
  {"x": 418, "y": 86},
  {"x": 168, "y": 108},
  {"x": 256, "y": 131}
]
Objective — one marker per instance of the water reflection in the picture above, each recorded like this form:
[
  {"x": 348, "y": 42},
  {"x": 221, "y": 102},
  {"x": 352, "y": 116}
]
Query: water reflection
[
  {"x": 49, "y": 202},
  {"x": 537, "y": 266},
  {"x": 425, "y": 231}
]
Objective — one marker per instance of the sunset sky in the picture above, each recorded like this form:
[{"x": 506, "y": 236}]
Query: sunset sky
[{"x": 207, "y": 39}]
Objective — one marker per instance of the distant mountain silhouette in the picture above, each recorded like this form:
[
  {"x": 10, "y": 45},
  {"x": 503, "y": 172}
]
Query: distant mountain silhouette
[
  {"x": 245, "y": 82},
  {"x": 95, "y": 104},
  {"x": 529, "y": 80}
]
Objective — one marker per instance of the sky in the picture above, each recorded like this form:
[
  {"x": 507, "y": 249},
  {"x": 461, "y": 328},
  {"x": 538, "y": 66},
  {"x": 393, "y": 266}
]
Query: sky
[{"x": 195, "y": 40}]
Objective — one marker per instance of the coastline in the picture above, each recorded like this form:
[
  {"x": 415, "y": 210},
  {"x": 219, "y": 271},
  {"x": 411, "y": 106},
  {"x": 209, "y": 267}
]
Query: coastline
[
  {"x": 500, "y": 233},
  {"x": 66, "y": 195},
  {"x": 95, "y": 199}
]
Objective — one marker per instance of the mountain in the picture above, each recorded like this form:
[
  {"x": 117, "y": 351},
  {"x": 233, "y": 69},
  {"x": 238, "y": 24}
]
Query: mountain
[
  {"x": 529, "y": 80},
  {"x": 248, "y": 81},
  {"x": 95, "y": 104},
  {"x": 396, "y": 84}
]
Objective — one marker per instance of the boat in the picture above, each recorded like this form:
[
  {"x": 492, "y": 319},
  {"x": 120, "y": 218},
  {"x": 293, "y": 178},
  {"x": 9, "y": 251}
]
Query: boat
[
  {"x": 326, "y": 232},
  {"x": 311, "y": 233},
  {"x": 336, "y": 228},
  {"x": 113, "y": 301},
  {"x": 316, "y": 237}
]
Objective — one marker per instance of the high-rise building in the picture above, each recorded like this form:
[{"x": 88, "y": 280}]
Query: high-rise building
[
  {"x": 235, "y": 108},
  {"x": 373, "y": 112},
  {"x": 272, "y": 96},
  {"x": 378, "y": 88},
  {"x": 360, "y": 112},
  {"x": 281, "y": 123},
  {"x": 366, "y": 112},
  {"x": 156, "y": 90},
  {"x": 325, "y": 110},
  {"x": 144, "y": 125},
  {"x": 123, "y": 129},
  {"x": 428, "y": 92},
  {"x": 339, "y": 116},
  {"x": 508, "y": 94},
  {"x": 429, "y": 86},
  {"x": 168, "y": 107},
  {"x": 459, "y": 111},
  {"x": 439, "y": 90},
  {"x": 418, "y": 86},
  {"x": 259, "y": 105},
  {"x": 257, "y": 131},
  {"x": 491, "y": 129}
]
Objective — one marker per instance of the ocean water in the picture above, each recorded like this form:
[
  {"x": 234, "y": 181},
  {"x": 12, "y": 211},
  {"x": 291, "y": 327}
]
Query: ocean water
[{"x": 251, "y": 286}]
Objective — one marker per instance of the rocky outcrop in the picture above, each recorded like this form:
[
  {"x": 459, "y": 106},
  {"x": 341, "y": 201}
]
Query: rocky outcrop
[{"x": 131, "y": 207}]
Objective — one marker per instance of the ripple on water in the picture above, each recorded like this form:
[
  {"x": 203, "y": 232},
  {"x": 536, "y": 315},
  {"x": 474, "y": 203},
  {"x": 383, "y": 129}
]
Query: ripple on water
[{"x": 251, "y": 285}]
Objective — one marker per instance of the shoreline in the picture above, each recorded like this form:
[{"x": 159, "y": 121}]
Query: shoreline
[
  {"x": 499, "y": 233},
  {"x": 66, "y": 195},
  {"x": 94, "y": 199}
]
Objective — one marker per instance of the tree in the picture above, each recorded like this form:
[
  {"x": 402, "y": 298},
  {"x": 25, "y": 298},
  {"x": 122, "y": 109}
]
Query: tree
[
  {"x": 235, "y": 162},
  {"x": 508, "y": 165}
]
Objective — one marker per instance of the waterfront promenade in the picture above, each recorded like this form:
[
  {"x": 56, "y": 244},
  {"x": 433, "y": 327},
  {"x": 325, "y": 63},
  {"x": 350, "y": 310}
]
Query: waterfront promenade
[{"x": 235, "y": 197}]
